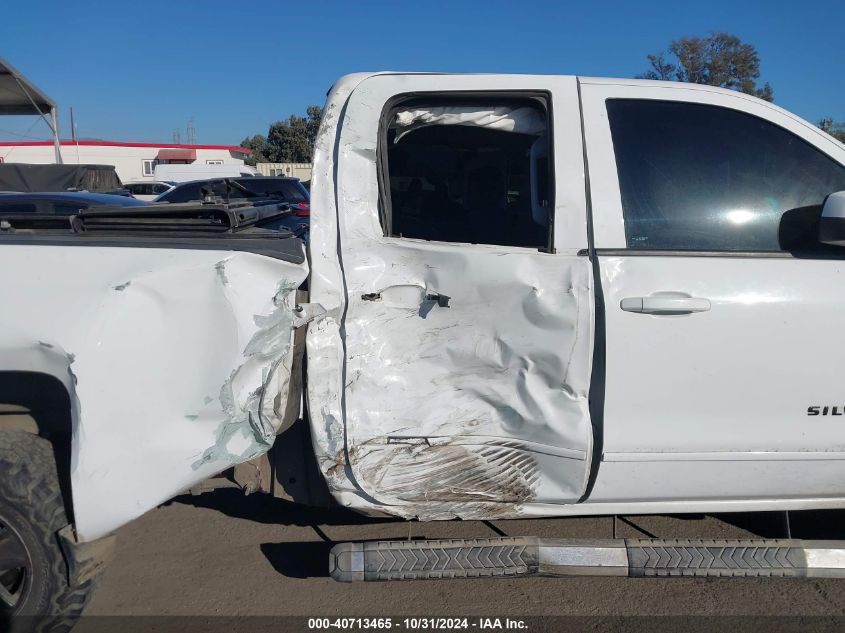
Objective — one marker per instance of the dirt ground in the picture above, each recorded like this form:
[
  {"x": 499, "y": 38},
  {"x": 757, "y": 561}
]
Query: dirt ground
[{"x": 224, "y": 554}]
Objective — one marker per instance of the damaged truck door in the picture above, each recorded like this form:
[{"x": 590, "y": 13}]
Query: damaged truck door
[{"x": 468, "y": 323}]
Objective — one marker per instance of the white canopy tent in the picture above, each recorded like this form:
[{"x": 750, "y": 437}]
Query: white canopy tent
[{"x": 19, "y": 96}]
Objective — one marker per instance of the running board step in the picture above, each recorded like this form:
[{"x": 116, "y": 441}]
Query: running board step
[{"x": 524, "y": 556}]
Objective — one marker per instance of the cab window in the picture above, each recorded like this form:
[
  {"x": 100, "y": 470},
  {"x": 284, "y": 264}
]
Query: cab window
[
  {"x": 701, "y": 177},
  {"x": 468, "y": 170}
]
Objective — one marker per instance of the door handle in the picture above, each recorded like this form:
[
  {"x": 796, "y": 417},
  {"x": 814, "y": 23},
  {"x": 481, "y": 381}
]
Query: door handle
[
  {"x": 665, "y": 304},
  {"x": 408, "y": 296}
]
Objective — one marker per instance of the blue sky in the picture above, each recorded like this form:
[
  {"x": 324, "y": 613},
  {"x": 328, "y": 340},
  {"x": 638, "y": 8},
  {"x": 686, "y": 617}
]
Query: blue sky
[{"x": 136, "y": 71}]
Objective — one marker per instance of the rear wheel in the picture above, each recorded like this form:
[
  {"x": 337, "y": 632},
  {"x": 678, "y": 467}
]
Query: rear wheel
[
  {"x": 33, "y": 572},
  {"x": 15, "y": 567}
]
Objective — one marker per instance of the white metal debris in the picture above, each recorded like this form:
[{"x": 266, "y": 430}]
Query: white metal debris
[{"x": 522, "y": 120}]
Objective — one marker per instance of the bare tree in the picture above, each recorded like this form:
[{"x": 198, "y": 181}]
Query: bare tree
[{"x": 720, "y": 59}]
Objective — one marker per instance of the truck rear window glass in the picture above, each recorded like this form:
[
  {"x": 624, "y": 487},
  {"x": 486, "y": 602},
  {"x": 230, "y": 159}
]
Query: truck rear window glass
[
  {"x": 184, "y": 193},
  {"x": 473, "y": 171},
  {"x": 700, "y": 177},
  {"x": 287, "y": 190}
]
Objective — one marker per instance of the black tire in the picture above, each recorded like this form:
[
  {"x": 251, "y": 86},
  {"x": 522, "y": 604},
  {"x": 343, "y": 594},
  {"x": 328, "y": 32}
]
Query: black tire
[{"x": 31, "y": 514}]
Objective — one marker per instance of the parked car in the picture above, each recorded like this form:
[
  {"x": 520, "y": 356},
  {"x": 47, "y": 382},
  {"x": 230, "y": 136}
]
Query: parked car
[
  {"x": 288, "y": 190},
  {"x": 61, "y": 203},
  {"x": 148, "y": 190},
  {"x": 528, "y": 296},
  {"x": 183, "y": 173}
]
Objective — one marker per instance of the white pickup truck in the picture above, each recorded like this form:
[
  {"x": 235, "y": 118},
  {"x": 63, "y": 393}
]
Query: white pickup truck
[{"x": 526, "y": 296}]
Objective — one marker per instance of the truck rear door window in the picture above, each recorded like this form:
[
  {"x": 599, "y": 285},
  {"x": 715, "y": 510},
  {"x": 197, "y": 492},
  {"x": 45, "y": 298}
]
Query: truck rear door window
[
  {"x": 468, "y": 170},
  {"x": 707, "y": 178}
]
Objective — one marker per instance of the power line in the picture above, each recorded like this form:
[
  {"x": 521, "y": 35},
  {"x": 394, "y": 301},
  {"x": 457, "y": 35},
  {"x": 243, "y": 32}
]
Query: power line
[
  {"x": 192, "y": 132},
  {"x": 12, "y": 149},
  {"x": 19, "y": 135}
]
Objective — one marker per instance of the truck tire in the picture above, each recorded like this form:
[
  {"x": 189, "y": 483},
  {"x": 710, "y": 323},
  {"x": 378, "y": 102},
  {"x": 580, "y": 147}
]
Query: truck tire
[{"x": 33, "y": 571}]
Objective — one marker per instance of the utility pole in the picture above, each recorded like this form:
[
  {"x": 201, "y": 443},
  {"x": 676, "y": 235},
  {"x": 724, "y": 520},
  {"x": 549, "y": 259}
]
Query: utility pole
[
  {"x": 54, "y": 125},
  {"x": 73, "y": 134},
  {"x": 192, "y": 133}
]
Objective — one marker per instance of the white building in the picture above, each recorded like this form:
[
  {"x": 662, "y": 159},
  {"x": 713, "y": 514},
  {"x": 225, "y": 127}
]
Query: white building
[
  {"x": 132, "y": 161},
  {"x": 296, "y": 170}
]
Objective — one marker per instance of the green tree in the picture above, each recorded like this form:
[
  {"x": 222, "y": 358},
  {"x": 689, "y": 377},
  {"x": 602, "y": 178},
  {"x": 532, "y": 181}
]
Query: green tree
[
  {"x": 258, "y": 145},
  {"x": 720, "y": 59},
  {"x": 313, "y": 116},
  {"x": 835, "y": 129},
  {"x": 287, "y": 141},
  {"x": 290, "y": 140}
]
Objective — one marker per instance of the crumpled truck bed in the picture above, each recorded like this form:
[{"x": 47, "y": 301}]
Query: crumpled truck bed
[{"x": 177, "y": 362}]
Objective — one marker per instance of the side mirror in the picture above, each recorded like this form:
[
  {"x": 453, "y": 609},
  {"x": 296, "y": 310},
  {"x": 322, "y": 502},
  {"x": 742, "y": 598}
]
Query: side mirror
[{"x": 832, "y": 221}]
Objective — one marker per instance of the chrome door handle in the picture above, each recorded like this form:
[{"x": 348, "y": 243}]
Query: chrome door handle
[{"x": 663, "y": 304}]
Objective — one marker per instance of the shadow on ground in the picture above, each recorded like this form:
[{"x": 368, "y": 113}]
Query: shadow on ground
[
  {"x": 808, "y": 524},
  {"x": 299, "y": 560},
  {"x": 266, "y": 509},
  {"x": 308, "y": 559}
]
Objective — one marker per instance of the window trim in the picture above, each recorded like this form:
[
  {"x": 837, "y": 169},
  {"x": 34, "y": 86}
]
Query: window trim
[
  {"x": 152, "y": 163},
  {"x": 656, "y": 252},
  {"x": 385, "y": 209}
]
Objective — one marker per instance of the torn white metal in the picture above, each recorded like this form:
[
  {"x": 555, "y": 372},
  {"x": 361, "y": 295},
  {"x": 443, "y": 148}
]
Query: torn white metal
[
  {"x": 495, "y": 384},
  {"x": 177, "y": 362},
  {"x": 522, "y": 120}
]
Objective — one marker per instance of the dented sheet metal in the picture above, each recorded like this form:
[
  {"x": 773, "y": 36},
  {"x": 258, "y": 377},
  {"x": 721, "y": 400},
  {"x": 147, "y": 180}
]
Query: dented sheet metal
[
  {"x": 177, "y": 362},
  {"x": 495, "y": 383},
  {"x": 447, "y": 380}
]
